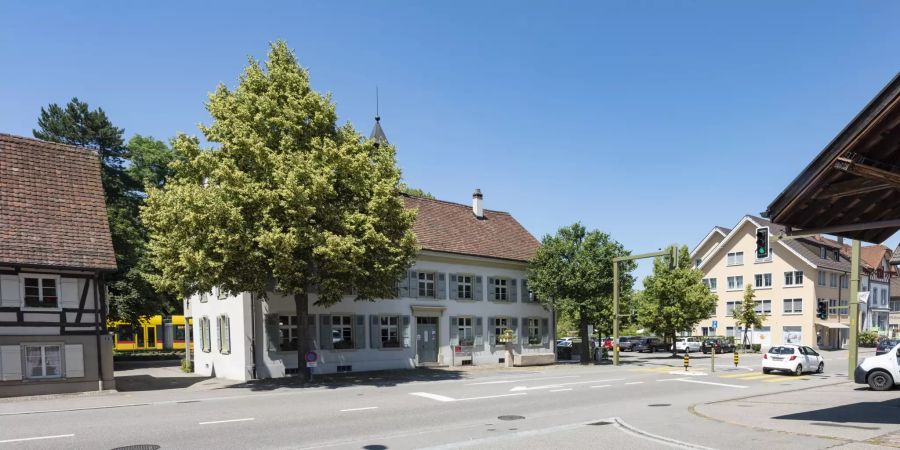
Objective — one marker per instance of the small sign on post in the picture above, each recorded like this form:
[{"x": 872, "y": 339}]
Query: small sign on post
[{"x": 312, "y": 359}]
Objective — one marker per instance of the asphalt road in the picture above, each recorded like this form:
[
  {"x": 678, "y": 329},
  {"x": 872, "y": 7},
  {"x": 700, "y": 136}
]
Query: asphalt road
[{"x": 643, "y": 404}]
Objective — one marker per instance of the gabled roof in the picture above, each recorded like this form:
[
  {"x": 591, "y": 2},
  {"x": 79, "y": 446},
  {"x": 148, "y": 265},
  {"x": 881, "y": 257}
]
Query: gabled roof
[
  {"x": 895, "y": 257},
  {"x": 722, "y": 231},
  {"x": 452, "y": 228},
  {"x": 873, "y": 255},
  {"x": 52, "y": 206}
]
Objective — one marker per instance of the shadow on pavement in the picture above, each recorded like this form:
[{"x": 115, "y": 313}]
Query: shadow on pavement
[
  {"x": 126, "y": 383},
  {"x": 387, "y": 378},
  {"x": 886, "y": 412}
]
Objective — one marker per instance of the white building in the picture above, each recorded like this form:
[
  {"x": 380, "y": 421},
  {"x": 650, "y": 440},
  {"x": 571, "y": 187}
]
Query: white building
[{"x": 468, "y": 284}]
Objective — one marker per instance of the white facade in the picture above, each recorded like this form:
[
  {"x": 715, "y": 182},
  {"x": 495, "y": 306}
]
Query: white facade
[{"x": 413, "y": 330}]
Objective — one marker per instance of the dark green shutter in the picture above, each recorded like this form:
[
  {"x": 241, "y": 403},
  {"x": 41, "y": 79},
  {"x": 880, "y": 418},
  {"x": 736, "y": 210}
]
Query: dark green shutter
[
  {"x": 513, "y": 294},
  {"x": 477, "y": 289},
  {"x": 491, "y": 291},
  {"x": 405, "y": 330},
  {"x": 492, "y": 337},
  {"x": 525, "y": 297},
  {"x": 545, "y": 332},
  {"x": 479, "y": 332},
  {"x": 359, "y": 331},
  {"x": 454, "y": 331},
  {"x": 413, "y": 284},
  {"x": 375, "y": 331},
  {"x": 514, "y": 325},
  {"x": 454, "y": 294},
  {"x": 441, "y": 286}
]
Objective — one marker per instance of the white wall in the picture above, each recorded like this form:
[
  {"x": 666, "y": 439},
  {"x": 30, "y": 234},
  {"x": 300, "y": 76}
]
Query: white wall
[{"x": 236, "y": 365}]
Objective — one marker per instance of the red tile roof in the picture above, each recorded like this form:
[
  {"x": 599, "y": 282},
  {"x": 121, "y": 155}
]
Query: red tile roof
[
  {"x": 52, "y": 206},
  {"x": 453, "y": 228}
]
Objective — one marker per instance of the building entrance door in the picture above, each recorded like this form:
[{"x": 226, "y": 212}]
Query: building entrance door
[{"x": 427, "y": 339}]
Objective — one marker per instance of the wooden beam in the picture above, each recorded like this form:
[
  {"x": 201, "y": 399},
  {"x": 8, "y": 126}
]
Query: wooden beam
[
  {"x": 856, "y": 186},
  {"x": 868, "y": 172}
]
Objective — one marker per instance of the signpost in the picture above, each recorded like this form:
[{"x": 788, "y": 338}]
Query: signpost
[{"x": 312, "y": 360}]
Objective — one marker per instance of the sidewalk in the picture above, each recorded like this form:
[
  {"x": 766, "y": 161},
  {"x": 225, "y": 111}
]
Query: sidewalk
[{"x": 843, "y": 411}]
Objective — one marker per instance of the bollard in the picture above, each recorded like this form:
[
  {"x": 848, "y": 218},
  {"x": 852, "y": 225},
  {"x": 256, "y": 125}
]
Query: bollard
[
  {"x": 687, "y": 361},
  {"x": 712, "y": 360},
  {"x": 736, "y": 358}
]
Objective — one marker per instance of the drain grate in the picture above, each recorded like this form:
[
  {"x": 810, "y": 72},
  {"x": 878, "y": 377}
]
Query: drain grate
[
  {"x": 139, "y": 447},
  {"x": 511, "y": 417}
]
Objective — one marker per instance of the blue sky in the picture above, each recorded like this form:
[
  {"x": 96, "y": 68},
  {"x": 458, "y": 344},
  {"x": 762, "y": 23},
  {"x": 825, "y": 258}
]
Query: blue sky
[{"x": 648, "y": 120}]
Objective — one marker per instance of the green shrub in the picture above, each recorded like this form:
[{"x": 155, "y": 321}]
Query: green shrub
[
  {"x": 756, "y": 347},
  {"x": 868, "y": 338},
  {"x": 187, "y": 366}
]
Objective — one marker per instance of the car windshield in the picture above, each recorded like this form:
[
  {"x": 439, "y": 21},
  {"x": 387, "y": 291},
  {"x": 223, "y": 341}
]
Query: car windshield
[
  {"x": 782, "y": 350},
  {"x": 888, "y": 343}
]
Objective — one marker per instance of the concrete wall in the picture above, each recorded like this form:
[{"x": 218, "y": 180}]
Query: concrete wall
[
  {"x": 87, "y": 382},
  {"x": 237, "y": 364}
]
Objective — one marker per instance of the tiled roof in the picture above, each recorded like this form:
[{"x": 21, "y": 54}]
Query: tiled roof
[
  {"x": 895, "y": 287},
  {"x": 453, "y": 228},
  {"x": 895, "y": 257},
  {"x": 52, "y": 206},
  {"x": 872, "y": 255},
  {"x": 723, "y": 230}
]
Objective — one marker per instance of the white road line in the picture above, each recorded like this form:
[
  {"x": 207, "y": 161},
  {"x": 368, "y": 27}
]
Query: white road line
[
  {"x": 358, "y": 409},
  {"x": 520, "y": 380},
  {"x": 602, "y": 386},
  {"x": 36, "y": 438},
  {"x": 247, "y": 419},
  {"x": 560, "y": 390},
  {"x": 684, "y": 380},
  {"x": 558, "y": 385},
  {"x": 440, "y": 398},
  {"x": 490, "y": 396},
  {"x": 636, "y": 382}
]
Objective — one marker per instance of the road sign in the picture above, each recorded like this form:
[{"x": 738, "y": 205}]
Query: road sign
[
  {"x": 311, "y": 357},
  {"x": 715, "y": 324}
]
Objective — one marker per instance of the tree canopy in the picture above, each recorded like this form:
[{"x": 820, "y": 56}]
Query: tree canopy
[
  {"x": 572, "y": 272},
  {"x": 745, "y": 315},
  {"x": 287, "y": 195},
  {"x": 674, "y": 298}
]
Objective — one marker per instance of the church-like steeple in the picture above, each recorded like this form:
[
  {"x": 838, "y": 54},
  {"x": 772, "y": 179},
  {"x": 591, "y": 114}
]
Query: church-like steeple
[{"x": 377, "y": 132}]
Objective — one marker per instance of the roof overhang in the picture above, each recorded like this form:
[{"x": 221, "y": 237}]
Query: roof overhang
[{"x": 852, "y": 188}]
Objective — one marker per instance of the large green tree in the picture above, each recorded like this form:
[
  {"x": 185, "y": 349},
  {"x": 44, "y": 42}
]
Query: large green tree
[
  {"x": 745, "y": 315},
  {"x": 125, "y": 168},
  {"x": 287, "y": 195},
  {"x": 674, "y": 298},
  {"x": 572, "y": 272}
]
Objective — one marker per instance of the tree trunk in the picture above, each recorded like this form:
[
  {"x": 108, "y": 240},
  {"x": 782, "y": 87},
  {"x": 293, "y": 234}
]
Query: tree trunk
[
  {"x": 301, "y": 304},
  {"x": 585, "y": 337}
]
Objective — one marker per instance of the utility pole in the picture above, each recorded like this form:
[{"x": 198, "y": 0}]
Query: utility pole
[
  {"x": 672, "y": 252},
  {"x": 852, "y": 345}
]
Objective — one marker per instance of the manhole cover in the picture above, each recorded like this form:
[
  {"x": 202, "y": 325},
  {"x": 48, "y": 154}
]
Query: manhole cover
[
  {"x": 511, "y": 417},
  {"x": 659, "y": 404},
  {"x": 138, "y": 447}
]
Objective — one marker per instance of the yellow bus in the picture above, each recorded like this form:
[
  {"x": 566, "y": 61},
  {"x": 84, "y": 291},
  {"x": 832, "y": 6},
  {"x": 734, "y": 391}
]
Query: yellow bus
[{"x": 152, "y": 333}]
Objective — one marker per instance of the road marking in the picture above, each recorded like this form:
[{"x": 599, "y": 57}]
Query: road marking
[
  {"x": 247, "y": 419},
  {"x": 440, "y": 398},
  {"x": 559, "y": 385},
  {"x": 761, "y": 377},
  {"x": 519, "y": 380},
  {"x": 635, "y": 382},
  {"x": 490, "y": 396},
  {"x": 686, "y": 380},
  {"x": 777, "y": 379},
  {"x": 602, "y": 386},
  {"x": 36, "y": 438},
  {"x": 560, "y": 390},
  {"x": 358, "y": 409},
  {"x": 740, "y": 375}
]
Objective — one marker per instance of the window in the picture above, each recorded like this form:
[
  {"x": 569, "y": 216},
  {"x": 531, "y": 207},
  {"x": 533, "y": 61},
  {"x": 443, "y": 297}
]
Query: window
[
  {"x": 710, "y": 283},
  {"x": 500, "y": 294},
  {"x": 793, "y": 306},
  {"x": 287, "y": 330},
  {"x": 500, "y": 325},
  {"x": 534, "y": 331},
  {"x": 730, "y": 307},
  {"x": 821, "y": 280},
  {"x": 763, "y": 306},
  {"x": 697, "y": 262},
  {"x": 763, "y": 280},
  {"x": 40, "y": 292},
  {"x": 464, "y": 287},
  {"x": 223, "y": 325},
  {"x": 735, "y": 258},
  {"x": 794, "y": 278},
  {"x": 43, "y": 361},
  {"x": 204, "y": 334},
  {"x": 736, "y": 283},
  {"x": 844, "y": 281},
  {"x": 125, "y": 333},
  {"x": 895, "y": 305},
  {"x": 792, "y": 335},
  {"x": 342, "y": 329},
  {"x": 837, "y": 255},
  {"x": 221, "y": 294},
  {"x": 426, "y": 284},
  {"x": 823, "y": 252},
  {"x": 465, "y": 332},
  {"x": 178, "y": 332},
  {"x": 729, "y": 331},
  {"x": 390, "y": 331},
  {"x": 834, "y": 280}
]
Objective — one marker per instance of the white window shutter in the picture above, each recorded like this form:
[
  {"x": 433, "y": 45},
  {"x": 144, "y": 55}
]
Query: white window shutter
[
  {"x": 68, "y": 293},
  {"x": 74, "y": 360},
  {"x": 10, "y": 295},
  {"x": 10, "y": 363}
]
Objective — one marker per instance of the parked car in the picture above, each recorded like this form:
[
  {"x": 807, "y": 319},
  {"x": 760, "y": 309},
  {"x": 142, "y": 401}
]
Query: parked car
[
  {"x": 564, "y": 342},
  {"x": 687, "y": 344},
  {"x": 796, "y": 359},
  {"x": 625, "y": 344},
  {"x": 721, "y": 345},
  {"x": 880, "y": 372},
  {"x": 885, "y": 346},
  {"x": 651, "y": 345}
]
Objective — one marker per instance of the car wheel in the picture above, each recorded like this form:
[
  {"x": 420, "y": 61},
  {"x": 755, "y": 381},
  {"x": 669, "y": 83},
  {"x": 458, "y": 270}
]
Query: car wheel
[
  {"x": 765, "y": 370},
  {"x": 799, "y": 370},
  {"x": 880, "y": 380},
  {"x": 821, "y": 368}
]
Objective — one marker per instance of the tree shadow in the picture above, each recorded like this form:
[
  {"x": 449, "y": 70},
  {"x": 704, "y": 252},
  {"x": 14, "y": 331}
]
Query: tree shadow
[
  {"x": 384, "y": 378},
  {"x": 886, "y": 412}
]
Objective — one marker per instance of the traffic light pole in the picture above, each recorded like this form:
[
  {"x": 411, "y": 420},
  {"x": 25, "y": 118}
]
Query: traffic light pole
[
  {"x": 852, "y": 347},
  {"x": 672, "y": 252}
]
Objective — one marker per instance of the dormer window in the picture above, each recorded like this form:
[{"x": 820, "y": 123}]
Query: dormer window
[
  {"x": 837, "y": 255},
  {"x": 823, "y": 252}
]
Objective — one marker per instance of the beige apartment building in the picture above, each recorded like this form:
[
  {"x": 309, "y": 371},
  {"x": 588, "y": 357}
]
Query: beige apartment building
[{"x": 789, "y": 285}]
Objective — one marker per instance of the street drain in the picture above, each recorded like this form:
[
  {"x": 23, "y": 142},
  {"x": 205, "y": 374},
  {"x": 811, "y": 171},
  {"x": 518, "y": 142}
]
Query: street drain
[
  {"x": 660, "y": 404},
  {"x": 822, "y": 424},
  {"x": 511, "y": 417},
  {"x": 602, "y": 422},
  {"x": 139, "y": 447}
]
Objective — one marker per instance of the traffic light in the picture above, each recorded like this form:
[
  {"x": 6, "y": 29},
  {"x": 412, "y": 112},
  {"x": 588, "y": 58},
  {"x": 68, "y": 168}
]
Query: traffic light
[
  {"x": 762, "y": 243},
  {"x": 822, "y": 310}
]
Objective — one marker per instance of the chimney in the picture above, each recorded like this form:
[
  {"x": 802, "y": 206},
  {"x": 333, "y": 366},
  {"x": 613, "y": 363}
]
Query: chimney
[{"x": 477, "y": 207}]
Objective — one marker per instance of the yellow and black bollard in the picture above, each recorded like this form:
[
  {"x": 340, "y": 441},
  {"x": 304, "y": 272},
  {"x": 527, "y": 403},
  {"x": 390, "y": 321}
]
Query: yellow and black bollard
[
  {"x": 687, "y": 361},
  {"x": 736, "y": 358}
]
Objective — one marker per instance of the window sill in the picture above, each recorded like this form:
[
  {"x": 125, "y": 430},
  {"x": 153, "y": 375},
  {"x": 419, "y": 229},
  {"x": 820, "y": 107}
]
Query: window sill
[
  {"x": 793, "y": 314},
  {"x": 762, "y": 288},
  {"x": 762, "y": 261},
  {"x": 793, "y": 286},
  {"x": 734, "y": 290},
  {"x": 40, "y": 309},
  {"x": 734, "y": 265}
]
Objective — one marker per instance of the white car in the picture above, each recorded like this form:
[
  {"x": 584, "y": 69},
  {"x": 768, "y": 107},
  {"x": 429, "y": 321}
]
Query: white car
[
  {"x": 880, "y": 372},
  {"x": 792, "y": 358},
  {"x": 687, "y": 344}
]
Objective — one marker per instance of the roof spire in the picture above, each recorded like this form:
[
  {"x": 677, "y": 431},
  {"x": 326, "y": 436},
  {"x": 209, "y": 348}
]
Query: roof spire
[{"x": 377, "y": 133}]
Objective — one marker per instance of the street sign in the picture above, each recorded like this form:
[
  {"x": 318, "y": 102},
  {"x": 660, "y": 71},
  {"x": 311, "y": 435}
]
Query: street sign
[
  {"x": 311, "y": 357},
  {"x": 715, "y": 324}
]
